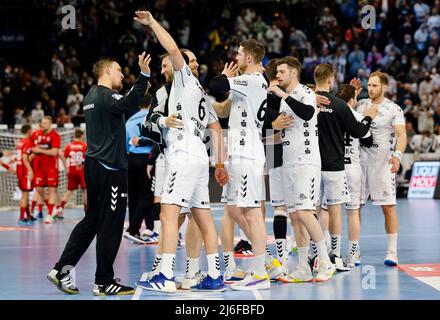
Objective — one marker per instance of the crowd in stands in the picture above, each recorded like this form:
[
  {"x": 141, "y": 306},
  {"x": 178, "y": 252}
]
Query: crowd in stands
[{"x": 405, "y": 44}]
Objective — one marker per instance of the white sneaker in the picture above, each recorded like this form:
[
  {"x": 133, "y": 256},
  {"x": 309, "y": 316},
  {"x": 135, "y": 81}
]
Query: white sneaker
[
  {"x": 234, "y": 276},
  {"x": 147, "y": 233},
  {"x": 298, "y": 275},
  {"x": 353, "y": 260},
  {"x": 274, "y": 269},
  {"x": 48, "y": 220},
  {"x": 252, "y": 282},
  {"x": 326, "y": 271},
  {"x": 357, "y": 257},
  {"x": 391, "y": 259},
  {"x": 187, "y": 282}
]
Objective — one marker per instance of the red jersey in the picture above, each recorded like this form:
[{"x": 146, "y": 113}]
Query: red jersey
[
  {"x": 23, "y": 147},
  {"x": 46, "y": 141},
  {"x": 76, "y": 153}
]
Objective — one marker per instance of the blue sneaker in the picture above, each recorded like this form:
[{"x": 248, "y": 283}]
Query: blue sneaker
[
  {"x": 153, "y": 239},
  {"x": 210, "y": 284},
  {"x": 40, "y": 215},
  {"x": 23, "y": 222},
  {"x": 159, "y": 283}
]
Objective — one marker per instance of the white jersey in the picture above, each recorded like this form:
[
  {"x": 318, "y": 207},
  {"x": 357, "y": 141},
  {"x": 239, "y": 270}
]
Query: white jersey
[
  {"x": 249, "y": 104},
  {"x": 352, "y": 145},
  {"x": 300, "y": 141},
  {"x": 382, "y": 128},
  {"x": 193, "y": 106}
]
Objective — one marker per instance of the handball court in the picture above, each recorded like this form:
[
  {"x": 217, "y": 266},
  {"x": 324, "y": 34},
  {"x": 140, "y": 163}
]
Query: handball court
[{"x": 27, "y": 254}]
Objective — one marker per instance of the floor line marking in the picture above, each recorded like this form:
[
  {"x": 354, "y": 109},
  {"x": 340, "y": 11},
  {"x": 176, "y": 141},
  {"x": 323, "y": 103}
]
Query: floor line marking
[
  {"x": 138, "y": 292},
  {"x": 257, "y": 294}
]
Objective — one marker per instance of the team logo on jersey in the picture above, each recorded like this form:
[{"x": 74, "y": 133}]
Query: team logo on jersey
[
  {"x": 244, "y": 114},
  {"x": 243, "y": 124},
  {"x": 307, "y": 151},
  {"x": 240, "y": 82},
  {"x": 242, "y": 142},
  {"x": 302, "y": 197},
  {"x": 179, "y": 107},
  {"x": 306, "y": 134},
  {"x": 243, "y": 133}
]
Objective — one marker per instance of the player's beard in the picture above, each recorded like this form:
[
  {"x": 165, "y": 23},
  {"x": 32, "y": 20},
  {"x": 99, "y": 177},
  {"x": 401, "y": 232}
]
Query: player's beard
[{"x": 377, "y": 95}]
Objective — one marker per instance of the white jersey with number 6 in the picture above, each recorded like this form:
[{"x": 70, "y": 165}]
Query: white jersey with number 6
[
  {"x": 193, "y": 106},
  {"x": 249, "y": 104}
]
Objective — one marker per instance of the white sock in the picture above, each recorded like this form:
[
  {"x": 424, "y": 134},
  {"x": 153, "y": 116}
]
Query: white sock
[
  {"x": 281, "y": 248},
  {"x": 302, "y": 257},
  {"x": 243, "y": 236},
  {"x": 213, "y": 265},
  {"x": 392, "y": 242},
  {"x": 259, "y": 265},
  {"x": 336, "y": 244},
  {"x": 268, "y": 256},
  {"x": 167, "y": 266},
  {"x": 313, "y": 249},
  {"x": 353, "y": 247},
  {"x": 328, "y": 239},
  {"x": 192, "y": 267},
  {"x": 322, "y": 251},
  {"x": 155, "y": 269},
  {"x": 229, "y": 260},
  {"x": 157, "y": 226}
]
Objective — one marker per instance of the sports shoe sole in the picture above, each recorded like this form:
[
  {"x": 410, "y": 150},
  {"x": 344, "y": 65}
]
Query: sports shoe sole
[
  {"x": 209, "y": 290},
  {"x": 324, "y": 280},
  {"x": 134, "y": 239},
  {"x": 244, "y": 254},
  {"x": 258, "y": 287},
  {"x": 156, "y": 290},
  {"x": 56, "y": 283},
  {"x": 124, "y": 293},
  {"x": 285, "y": 280}
]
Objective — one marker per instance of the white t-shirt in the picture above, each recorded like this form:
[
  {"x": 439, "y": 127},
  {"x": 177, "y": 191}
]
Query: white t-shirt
[
  {"x": 382, "y": 128},
  {"x": 249, "y": 104},
  {"x": 352, "y": 145},
  {"x": 300, "y": 141},
  {"x": 193, "y": 106}
]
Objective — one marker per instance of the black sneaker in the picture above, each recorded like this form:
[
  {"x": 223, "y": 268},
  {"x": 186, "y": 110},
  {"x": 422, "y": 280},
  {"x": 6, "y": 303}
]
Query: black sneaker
[
  {"x": 112, "y": 289},
  {"x": 32, "y": 218},
  {"x": 63, "y": 282},
  {"x": 242, "y": 245}
]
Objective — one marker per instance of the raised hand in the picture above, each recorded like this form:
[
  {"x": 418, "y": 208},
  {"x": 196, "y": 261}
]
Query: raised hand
[
  {"x": 230, "y": 70},
  {"x": 357, "y": 84},
  {"x": 144, "y": 17},
  {"x": 144, "y": 62}
]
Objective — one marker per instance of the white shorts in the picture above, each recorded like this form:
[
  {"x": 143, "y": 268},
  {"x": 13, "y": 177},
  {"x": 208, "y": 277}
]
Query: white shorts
[
  {"x": 334, "y": 188},
  {"x": 276, "y": 187},
  {"x": 354, "y": 182},
  {"x": 379, "y": 183},
  {"x": 224, "y": 198},
  {"x": 246, "y": 183},
  {"x": 302, "y": 184},
  {"x": 159, "y": 176},
  {"x": 186, "y": 181}
]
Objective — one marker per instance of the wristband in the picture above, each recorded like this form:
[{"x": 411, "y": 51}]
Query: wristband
[
  {"x": 219, "y": 165},
  {"x": 398, "y": 155},
  {"x": 145, "y": 74},
  {"x": 161, "y": 122}
]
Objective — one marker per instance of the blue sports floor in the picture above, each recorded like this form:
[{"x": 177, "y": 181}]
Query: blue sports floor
[{"x": 28, "y": 253}]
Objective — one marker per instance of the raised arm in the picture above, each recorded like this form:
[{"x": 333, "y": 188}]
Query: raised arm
[{"x": 165, "y": 39}]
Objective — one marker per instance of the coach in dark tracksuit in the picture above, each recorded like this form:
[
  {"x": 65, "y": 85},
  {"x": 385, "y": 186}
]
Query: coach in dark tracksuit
[{"x": 106, "y": 178}]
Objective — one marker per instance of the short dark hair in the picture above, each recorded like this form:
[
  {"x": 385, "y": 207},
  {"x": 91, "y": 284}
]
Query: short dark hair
[
  {"x": 292, "y": 63},
  {"x": 145, "y": 101},
  {"x": 346, "y": 92},
  {"x": 323, "y": 71},
  {"x": 271, "y": 69},
  {"x": 78, "y": 133},
  {"x": 25, "y": 128},
  {"x": 254, "y": 48},
  {"x": 98, "y": 67}
]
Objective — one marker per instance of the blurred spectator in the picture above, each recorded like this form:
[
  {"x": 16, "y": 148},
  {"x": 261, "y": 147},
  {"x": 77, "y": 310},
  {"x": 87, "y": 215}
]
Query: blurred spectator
[
  {"x": 74, "y": 101},
  {"x": 274, "y": 40},
  {"x": 37, "y": 114}
]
